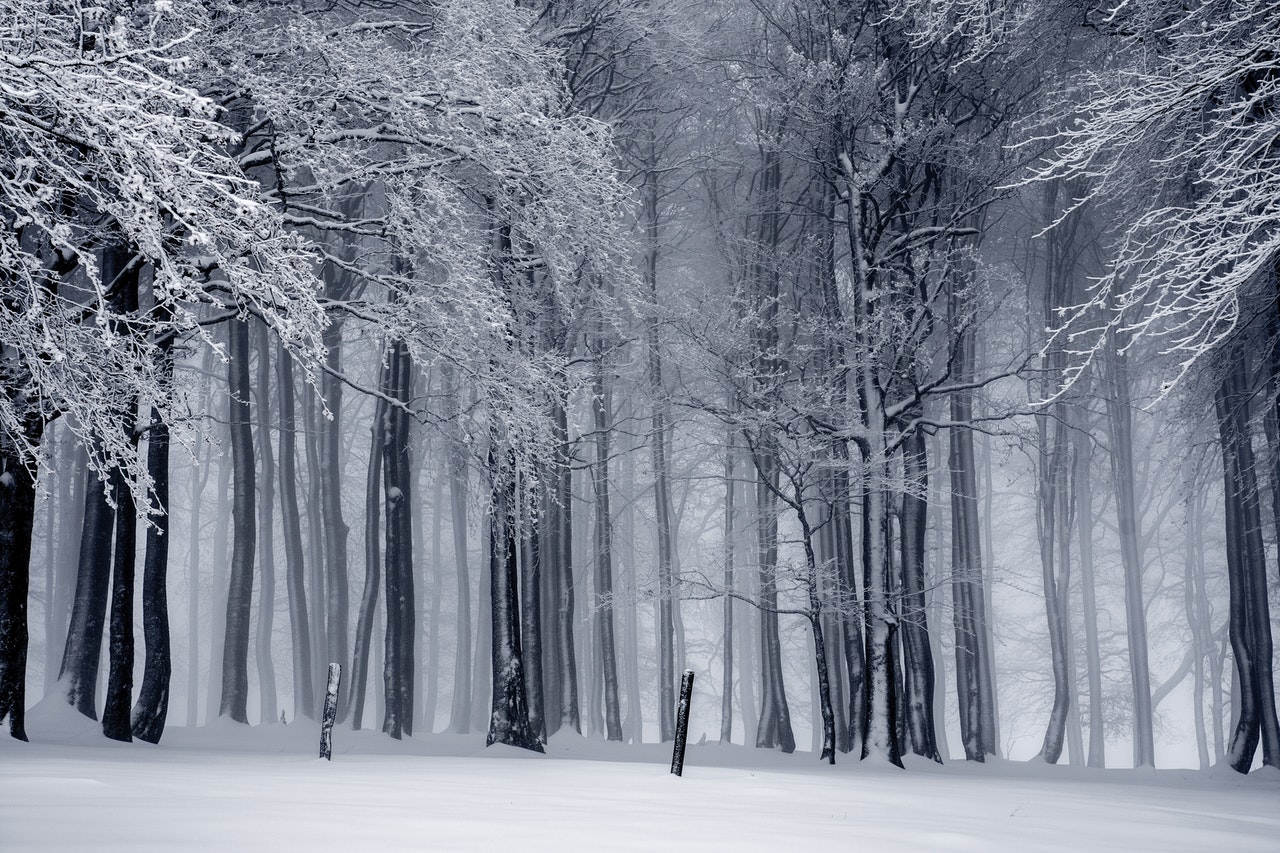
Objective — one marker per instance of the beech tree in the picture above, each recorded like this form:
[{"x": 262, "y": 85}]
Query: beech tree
[{"x": 102, "y": 138}]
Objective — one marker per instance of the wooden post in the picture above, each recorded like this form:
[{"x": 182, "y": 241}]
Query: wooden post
[
  {"x": 682, "y": 722},
  {"x": 330, "y": 711}
]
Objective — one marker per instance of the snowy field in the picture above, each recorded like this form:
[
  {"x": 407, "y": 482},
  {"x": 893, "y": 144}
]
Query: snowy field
[{"x": 232, "y": 788}]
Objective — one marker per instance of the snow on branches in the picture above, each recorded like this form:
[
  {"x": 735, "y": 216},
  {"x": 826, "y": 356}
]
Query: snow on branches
[{"x": 101, "y": 144}]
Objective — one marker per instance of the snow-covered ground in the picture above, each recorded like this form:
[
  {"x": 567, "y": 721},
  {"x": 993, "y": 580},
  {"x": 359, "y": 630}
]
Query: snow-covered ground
[{"x": 235, "y": 788}]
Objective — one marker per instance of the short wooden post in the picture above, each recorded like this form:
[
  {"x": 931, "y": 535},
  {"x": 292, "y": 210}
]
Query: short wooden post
[
  {"x": 682, "y": 722},
  {"x": 330, "y": 711}
]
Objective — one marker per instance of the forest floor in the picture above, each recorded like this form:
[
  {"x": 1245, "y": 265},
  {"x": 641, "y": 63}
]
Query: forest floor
[{"x": 234, "y": 788}]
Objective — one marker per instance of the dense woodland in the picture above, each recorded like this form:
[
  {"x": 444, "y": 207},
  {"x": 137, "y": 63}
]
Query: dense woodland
[{"x": 909, "y": 370}]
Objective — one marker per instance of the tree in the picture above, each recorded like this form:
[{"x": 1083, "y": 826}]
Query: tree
[{"x": 101, "y": 138}]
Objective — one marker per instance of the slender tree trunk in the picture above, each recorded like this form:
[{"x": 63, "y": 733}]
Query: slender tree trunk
[
  {"x": 304, "y": 697},
  {"x": 199, "y": 477},
  {"x": 601, "y": 406},
  {"x": 266, "y": 535},
  {"x": 726, "y": 676},
  {"x": 1120, "y": 417},
  {"x": 372, "y": 562},
  {"x": 318, "y": 605},
  {"x": 1083, "y": 485}
]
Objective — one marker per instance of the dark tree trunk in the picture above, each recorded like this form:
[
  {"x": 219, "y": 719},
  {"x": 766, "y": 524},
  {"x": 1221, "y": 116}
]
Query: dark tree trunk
[
  {"x": 560, "y": 526},
  {"x": 372, "y": 562},
  {"x": 304, "y": 698},
  {"x": 1248, "y": 618},
  {"x": 115, "y": 713},
  {"x": 398, "y": 666},
  {"x": 152, "y": 707},
  {"x": 531, "y": 614},
  {"x": 235, "y": 660},
  {"x": 266, "y": 534},
  {"x": 774, "y": 727},
  {"x": 17, "y": 519},
  {"x": 509, "y": 717},
  {"x": 79, "y": 672},
  {"x": 917, "y": 653},
  {"x": 333, "y": 525}
]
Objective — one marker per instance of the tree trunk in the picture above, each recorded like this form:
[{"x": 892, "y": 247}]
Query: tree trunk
[
  {"x": 266, "y": 535},
  {"x": 917, "y": 653},
  {"x": 235, "y": 661},
  {"x": 601, "y": 406},
  {"x": 79, "y": 672},
  {"x": 304, "y": 697},
  {"x": 1120, "y": 417},
  {"x": 372, "y": 562},
  {"x": 774, "y": 727},
  {"x": 1083, "y": 485},
  {"x": 401, "y": 622},
  {"x": 726, "y": 676},
  {"x": 152, "y": 707},
  {"x": 1248, "y": 619},
  {"x": 17, "y": 520},
  {"x": 115, "y": 713},
  {"x": 509, "y": 718}
]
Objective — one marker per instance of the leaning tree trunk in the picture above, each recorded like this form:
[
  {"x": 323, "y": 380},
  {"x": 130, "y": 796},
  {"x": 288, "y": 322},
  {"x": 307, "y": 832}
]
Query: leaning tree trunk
[
  {"x": 235, "y": 653},
  {"x": 79, "y": 673},
  {"x": 1248, "y": 617}
]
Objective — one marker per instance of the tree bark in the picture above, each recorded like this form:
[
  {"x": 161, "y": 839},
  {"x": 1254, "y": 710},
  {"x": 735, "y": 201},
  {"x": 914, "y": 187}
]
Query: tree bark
[
  {"x": 372, "y": 562},
  {"x": 1248, "y": 619},
  {"x": 917, "y": 654},
  {"x": 266, "y": 535},
  {"x": 235, "y": 661},
  {"x": 398, "y": 475},
  {"x": 304, "y": 697},
  {"x": 17, "y": 520}
]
